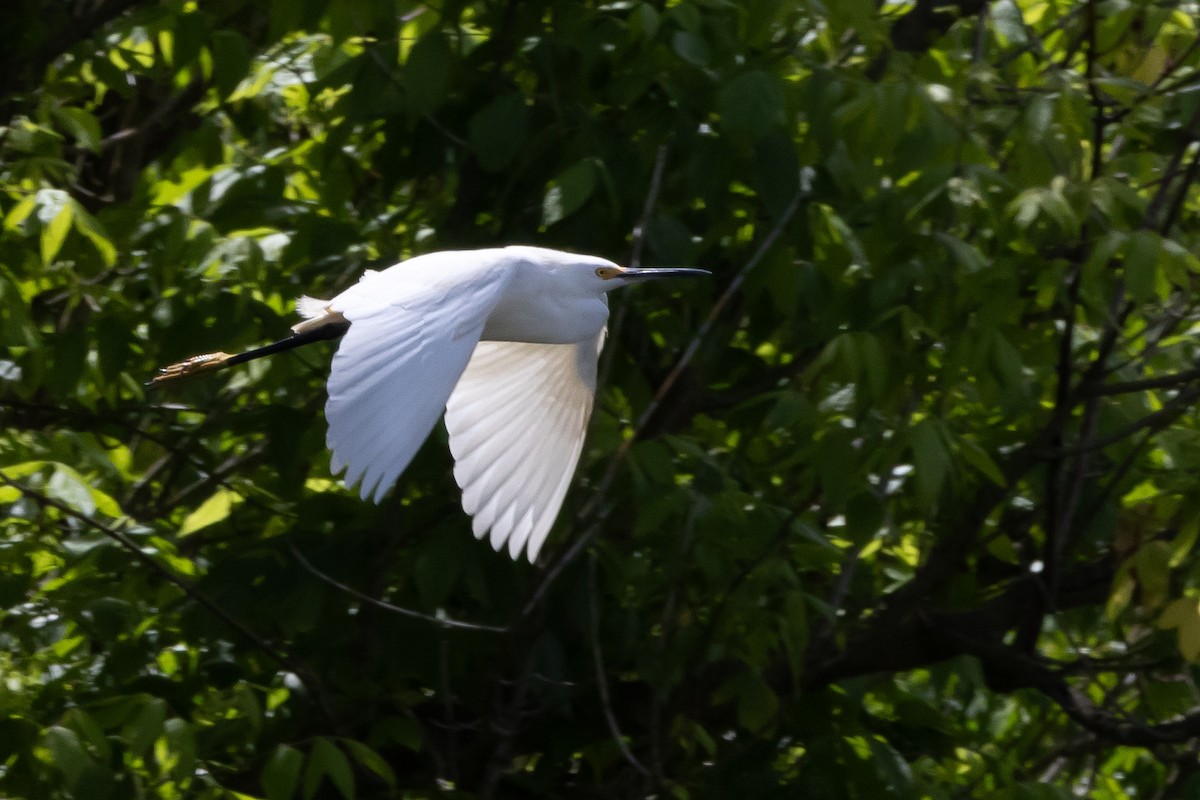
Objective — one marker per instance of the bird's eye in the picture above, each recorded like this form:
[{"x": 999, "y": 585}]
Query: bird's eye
[{"x": 607, "y": 273}]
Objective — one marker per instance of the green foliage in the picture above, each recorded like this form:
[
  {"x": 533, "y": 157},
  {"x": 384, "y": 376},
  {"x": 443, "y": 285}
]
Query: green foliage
[{"x": 916, "y": 521}]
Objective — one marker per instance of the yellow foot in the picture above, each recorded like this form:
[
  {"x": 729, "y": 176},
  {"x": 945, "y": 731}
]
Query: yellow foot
[{"x": 189, "y": 368}]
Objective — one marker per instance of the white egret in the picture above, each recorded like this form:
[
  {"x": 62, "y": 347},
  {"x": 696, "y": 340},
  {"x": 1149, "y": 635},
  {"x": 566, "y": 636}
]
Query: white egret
[{"x": 506, "y": 340}]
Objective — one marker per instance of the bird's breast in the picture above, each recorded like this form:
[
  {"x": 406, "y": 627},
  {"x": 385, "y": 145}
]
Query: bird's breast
[{"x": 546, "y": 318}]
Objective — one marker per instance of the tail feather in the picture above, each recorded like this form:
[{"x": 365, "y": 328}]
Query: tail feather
[
  {"x": 327, "y": 325},
  {"x": 317, "y": 316},
  {"x": 311, "y": 307}
]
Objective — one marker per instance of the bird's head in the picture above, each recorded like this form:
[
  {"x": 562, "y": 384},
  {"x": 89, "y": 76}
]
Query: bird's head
[
  {"x": 612, "y": 276},
  {"x": 588, "y": 274}
]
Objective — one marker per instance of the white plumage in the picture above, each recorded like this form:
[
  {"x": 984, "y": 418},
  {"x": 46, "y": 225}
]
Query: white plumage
[
  {"x": 517, "y": 419},
  {"x": 504, "y": 340}
]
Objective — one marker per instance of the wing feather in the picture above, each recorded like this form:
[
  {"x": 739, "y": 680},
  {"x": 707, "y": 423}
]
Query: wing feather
[
  {"x": 517, "y": 419},
  {"x": 408, "y": 343}
]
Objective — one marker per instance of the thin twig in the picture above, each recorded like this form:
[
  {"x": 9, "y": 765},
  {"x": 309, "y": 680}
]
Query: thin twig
[
  {"x": 635, "y": 256},
  {"x": 1189, "y": 177},
  {"x": 1154, "y": 422},
  {"x": 1150, "y": 218},
  {"x": 1116, "y": 476},
  {"x": 1099, "y": 116},
  {"x": 217, "y": 476},
  {"x": 602, "y": 680},
  {"x": 666, "y": 640},
  {"x": 443, "y": 622},
  {"x": 1171, "y": 381},
  {"x": 639, "y": 230},
  {"x": 504, "y": 723},
  {"x": 715, "y": 312},
  {"x": 448, "y": 709},
  {"x": 610, "y": 474},
  {"x": 387, "y": 70}
]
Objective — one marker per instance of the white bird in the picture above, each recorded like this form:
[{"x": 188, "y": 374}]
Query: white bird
[{"x": 506, "y": 340}]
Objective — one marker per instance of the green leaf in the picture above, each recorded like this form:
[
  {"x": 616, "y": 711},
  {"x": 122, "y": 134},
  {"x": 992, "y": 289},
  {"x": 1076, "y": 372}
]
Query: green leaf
[
  {"x": 94, "y": 232},
  {"x": 1008, "y": 368},
  {"x": 190, "y": 32},
  {"x": 1009, "y": 24},
  {"x": 1121, "y": 595},
  {"x": 69, "y": 755},
  {"x": 1183, "y": 614},
  {"x": 776, "y": 171},
  {"x": 966, "y": 254},
  {"x": 690, "y": 47},
  {"x": 82, "y": 126},
  {"x": 141, "y": 732},
  {"x": 837, "y": 466},
  {"x": 931, "y": 461},
  {"x": 54, "y": 233},
  {"x": 643, "y": 22},
  {"x": 568, "y": 191},
  {"x": 1178, "y": 612},
  {"x": 281, "y": 774},
  {"x": 399, "y": 730},
  {"x": 86, "y": 779},
  {"x": 1026, "y": 207},
  {"x": 978, "y": 458},
  {"x": 1141, "y": 266},
  {"x": 873, "y": 364},
  {"x": 497, "y": 131},
  {"x": 178, "y": 741},
  {"x": 20, "y": 212},
  {"x": 110, "y": 617},
  {"x": 1184, "y": 542},
  {"x": 794, "y": 632},
  {"x": 370, "y": 760},
  {"x": 427, "y": 72},
  {"x": 90, "y": 733},
  {"x": 1152, "y": 565},
  {"x": 326, "y": 760},
  {"x": 865, "y": 515},
  {"x": 231, "y": 61},
  {"x": 891, "y": 767},
  {"x": 215, "y": 509},
  {"x": 670, "y": 240},
  {"x": 24, "y": 469},
  {"x": 75, "y": 490},
  {"x": 757, "y": 705},
  {"x": 69, "y": 487},
  {"x": 751, "y": 105}
]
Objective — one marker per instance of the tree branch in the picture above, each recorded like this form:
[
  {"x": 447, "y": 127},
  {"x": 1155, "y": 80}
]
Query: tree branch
[
  {"x": 441, "y": 622},
  {"x": 1171, "y": 381},
  {"x": 1025, "y": 672},
  {"x": 610, "y": 717},
  {"x": 638, "y": 237}
]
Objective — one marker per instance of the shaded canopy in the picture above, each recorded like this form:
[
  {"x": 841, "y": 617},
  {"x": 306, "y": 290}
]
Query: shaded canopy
[{"x": 901, "y": 503}]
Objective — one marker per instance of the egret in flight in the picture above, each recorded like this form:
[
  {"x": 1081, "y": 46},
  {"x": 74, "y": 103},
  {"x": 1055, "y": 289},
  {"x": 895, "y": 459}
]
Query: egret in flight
[{"x": 506, "y": 340}]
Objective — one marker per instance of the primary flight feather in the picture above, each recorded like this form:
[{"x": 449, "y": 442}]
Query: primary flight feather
[{"x": 504, "y": 340}]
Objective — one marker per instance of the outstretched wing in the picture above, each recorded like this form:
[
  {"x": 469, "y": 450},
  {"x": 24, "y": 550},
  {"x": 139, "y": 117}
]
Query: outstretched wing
[
  {"x": 410, "y": 338},
  {"x": 517, "y": 420}
]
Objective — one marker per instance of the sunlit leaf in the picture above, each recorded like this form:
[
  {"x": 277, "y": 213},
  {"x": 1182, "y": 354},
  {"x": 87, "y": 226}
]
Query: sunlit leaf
[
  {"x": 54, "y": 232},
  {"x": 215, "y": 509},
  {"x": 569, "y": 190}
]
